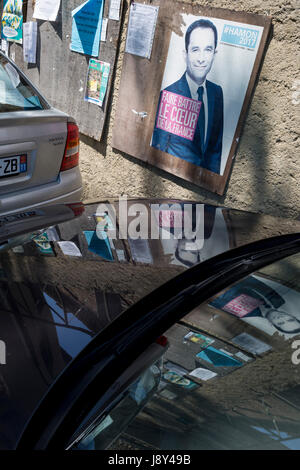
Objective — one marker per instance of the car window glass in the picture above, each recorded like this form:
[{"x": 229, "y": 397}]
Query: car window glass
[
  {"x": 105, "y": 428},
  {"x": 15, "y": 93},
  {"x": 231, "y": 377}
]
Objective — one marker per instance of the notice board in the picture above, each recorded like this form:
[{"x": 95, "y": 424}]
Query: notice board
[
  {"x": 183, "y": 108},
  {"x": 61, "y": 74}
]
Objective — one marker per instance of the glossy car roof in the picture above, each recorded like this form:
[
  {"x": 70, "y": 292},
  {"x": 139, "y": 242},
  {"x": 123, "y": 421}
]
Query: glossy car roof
[{"x": 53, "y": 303}]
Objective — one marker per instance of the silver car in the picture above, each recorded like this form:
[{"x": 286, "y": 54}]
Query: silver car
[{"x": 39, "y": 147}]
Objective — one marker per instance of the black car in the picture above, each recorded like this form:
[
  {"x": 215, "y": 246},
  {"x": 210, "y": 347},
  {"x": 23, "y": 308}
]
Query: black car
[{"x": 184, "y": 338}]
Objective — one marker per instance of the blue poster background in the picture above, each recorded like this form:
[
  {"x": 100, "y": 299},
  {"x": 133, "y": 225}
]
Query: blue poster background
[{"x": 86, "y": 27}]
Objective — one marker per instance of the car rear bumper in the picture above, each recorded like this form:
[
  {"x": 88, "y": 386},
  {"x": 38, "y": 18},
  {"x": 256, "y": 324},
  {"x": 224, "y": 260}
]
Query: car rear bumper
[{"x": 66, "y": 189}]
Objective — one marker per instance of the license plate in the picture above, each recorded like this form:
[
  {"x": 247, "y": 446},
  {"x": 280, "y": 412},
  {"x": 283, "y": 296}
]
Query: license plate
[{"x": 13, "y": 165}]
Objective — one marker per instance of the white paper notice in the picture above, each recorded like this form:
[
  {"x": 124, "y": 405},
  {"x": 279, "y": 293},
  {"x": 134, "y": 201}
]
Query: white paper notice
[
  {"x": 29, "y": 41},
  {"x": 69, "y": 248},
  {"x": 18, "y": 249},
  {"x": 46, "y": 9},
  {"x": 140, "y": 250},
  {"x": 141, "y": 29},
  {"x": 120, "y": 255},
  {"x": 4, "y": 46},
  {"x": 251, "y": 344},
  {"x": 168, "y": 395},
  {"x": 243, "y": 356},
  {"x": 202, "y": 374},
  {"x": 114, "y": 10},
  {"x": 104, "y": 29}
]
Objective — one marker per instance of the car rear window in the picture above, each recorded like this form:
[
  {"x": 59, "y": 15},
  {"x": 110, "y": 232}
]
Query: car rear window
[{"x": 16, "y": 94}]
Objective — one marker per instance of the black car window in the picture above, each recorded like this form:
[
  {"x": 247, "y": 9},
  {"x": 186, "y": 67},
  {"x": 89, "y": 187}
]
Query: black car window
[{"x": 231, "y": 376}]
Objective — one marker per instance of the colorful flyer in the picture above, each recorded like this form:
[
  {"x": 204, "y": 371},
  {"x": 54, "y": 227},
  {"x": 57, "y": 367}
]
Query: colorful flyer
[
  {"x": 179, "y": 380},
  {"x": 86, "y": 27},
  {"x": 97, "y": 79},
  {"x": 43, "y": 244},
  {"x": 99, "y": 246},
  {"x": 218, "y": 358},
  {"x": 12, "y": 21},
  {"x": 242, "y": 305},
  {"x": 104, "y": 220},
  {"x": 202, "y": 340}
]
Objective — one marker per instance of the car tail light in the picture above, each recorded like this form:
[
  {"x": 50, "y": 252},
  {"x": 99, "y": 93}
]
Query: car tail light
[
  {"x": 162, "y": 340},
  {"x": 71, "y": 155},
  {"x": 77, "y": 208}
]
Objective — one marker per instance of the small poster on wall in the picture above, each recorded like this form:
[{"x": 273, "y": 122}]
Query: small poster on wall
[
  {"x": 12, "y": 21},
  {"x": 86, "y": 27},
  {"x": 97, "y": 79}
]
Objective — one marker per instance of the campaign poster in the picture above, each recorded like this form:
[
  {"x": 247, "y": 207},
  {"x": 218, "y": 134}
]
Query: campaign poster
[
  {"x": 97, "y": 80},
  {"x": 12, "y": 21},
  {"x": 264, "y": 303},
  {"x": 205, "y": 81}
]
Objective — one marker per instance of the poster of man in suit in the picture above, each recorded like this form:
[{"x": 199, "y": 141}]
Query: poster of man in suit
[{"x": 205, "y": 81}]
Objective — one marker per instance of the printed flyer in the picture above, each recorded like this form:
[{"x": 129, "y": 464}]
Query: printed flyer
[
  {"x": 86, "y": 27},
  {"x": 43, "y": 244},
  {"x": 12, "y": 21},
  {"x": 97, "y": 80}
]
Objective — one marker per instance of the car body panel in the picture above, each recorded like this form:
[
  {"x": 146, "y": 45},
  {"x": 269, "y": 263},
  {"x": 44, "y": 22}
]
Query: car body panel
[
  {"x": 53, "y": 305},
  {"x": 39, "y": 136}
]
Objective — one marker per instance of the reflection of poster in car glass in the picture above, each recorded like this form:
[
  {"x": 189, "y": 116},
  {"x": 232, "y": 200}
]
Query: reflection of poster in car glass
[
  {"x": 43, "y": 244},
  {"x": 209, "y": 239},
  {"x": 263, "y": 303},
  {"x": 140, "y": 251},
  {"x": 221, "y": 358},
  {"x": 205, "y": 80}
]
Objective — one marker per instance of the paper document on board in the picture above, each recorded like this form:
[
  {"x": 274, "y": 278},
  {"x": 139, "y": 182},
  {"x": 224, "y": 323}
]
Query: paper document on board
[
  {"x": 46, "y": 9},
  {"x": 114, "y": 10},
  {"x": 29, "y": 41},
  {"x": 69, "y": 248},
  {"x": 141, "y": 29}
]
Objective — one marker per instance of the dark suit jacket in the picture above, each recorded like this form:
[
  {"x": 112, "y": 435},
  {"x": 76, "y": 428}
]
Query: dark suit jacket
[{"x": 186, "y": 149}]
